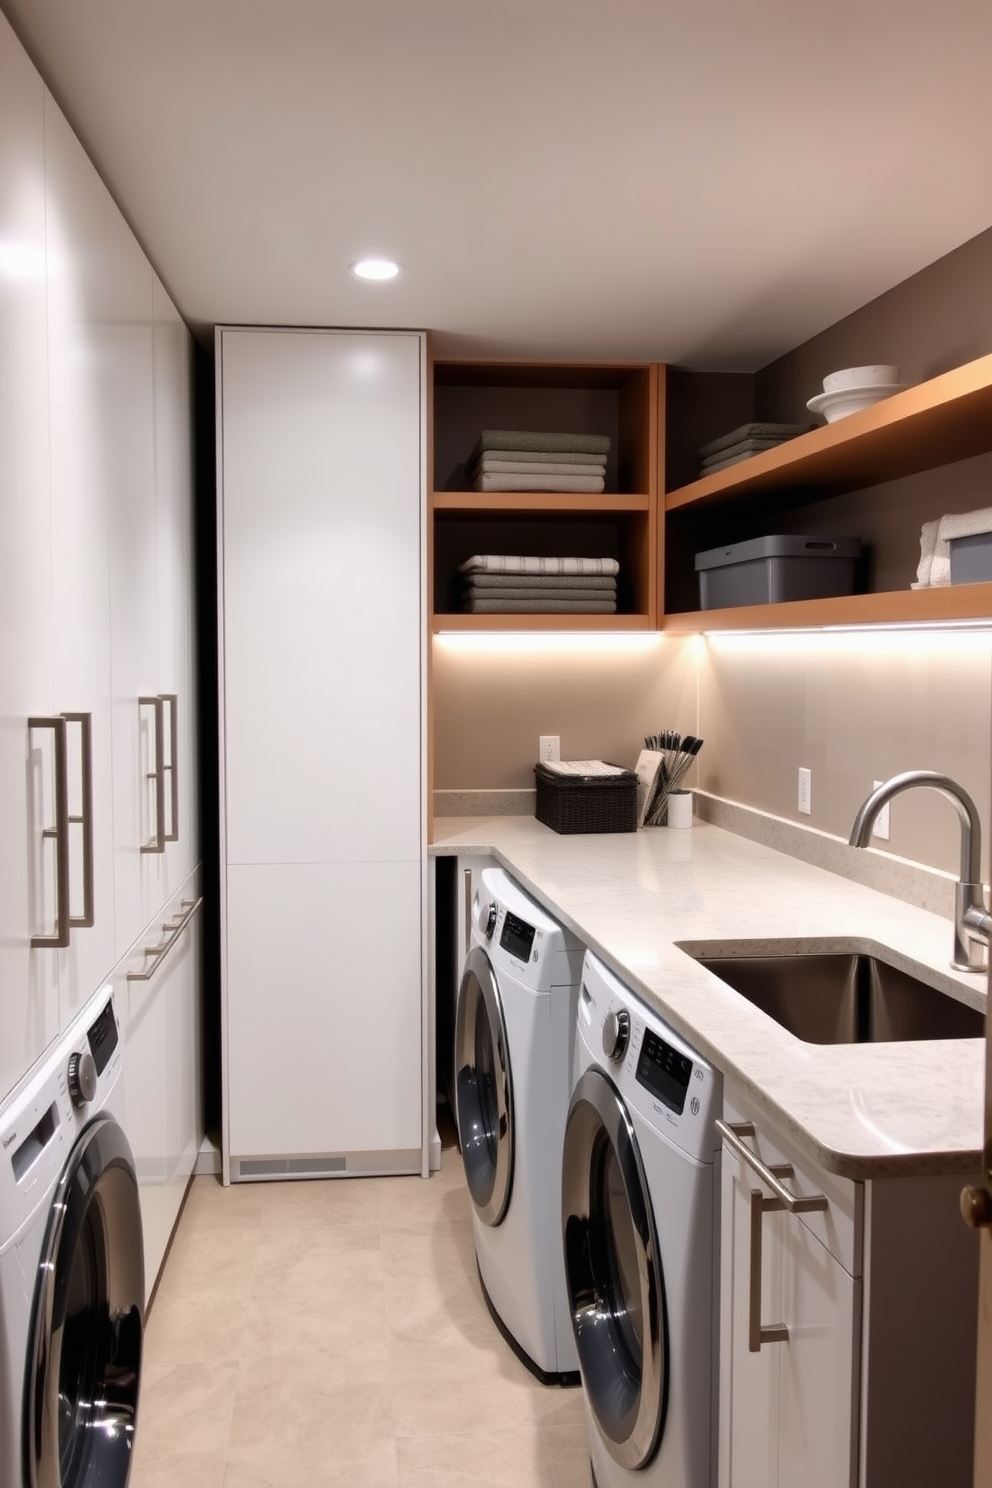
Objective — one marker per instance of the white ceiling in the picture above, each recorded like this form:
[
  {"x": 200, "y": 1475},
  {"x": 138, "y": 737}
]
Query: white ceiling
[{"x": 706, "y": 182}]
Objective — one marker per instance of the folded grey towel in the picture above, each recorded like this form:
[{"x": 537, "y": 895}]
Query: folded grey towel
[
  {"x": 529, "y": 439},
  {"x": 540, "y": 607},
  {"x": 494, "y": 465},
  {"x": 513, "y": 591},
  {"x": 589, "y": 484},
  {"x": 506, "y": 563},
  {"x": 714, "y": 465},
  {"x": 543, "y": 582},
  {"x": 753, "y": 430},
  {"x": 743, "y": 447},
  {"x": 541, "y": 457}
]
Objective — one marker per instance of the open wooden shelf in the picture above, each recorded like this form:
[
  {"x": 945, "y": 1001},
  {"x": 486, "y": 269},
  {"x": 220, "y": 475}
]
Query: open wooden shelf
[
  {"x": 457, "y": 621},
  {"x": 494, "y": 503},
  {"x": 962, "y": 602},
  {"x": 935, "y": 423},
  {"x": 622, "y": 400}
]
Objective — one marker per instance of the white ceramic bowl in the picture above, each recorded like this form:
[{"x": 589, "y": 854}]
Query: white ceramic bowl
[
  {"x": 861, "y": 377},
  {"x": 838, "y": 405}
]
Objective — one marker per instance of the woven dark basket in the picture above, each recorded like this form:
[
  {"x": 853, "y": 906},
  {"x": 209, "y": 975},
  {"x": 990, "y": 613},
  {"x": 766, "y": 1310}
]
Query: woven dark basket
[{"x": 586, "y": 803}]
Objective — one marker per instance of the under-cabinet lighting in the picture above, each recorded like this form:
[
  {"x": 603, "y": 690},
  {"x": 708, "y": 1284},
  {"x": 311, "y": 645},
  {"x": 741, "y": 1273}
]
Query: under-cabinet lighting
[
  {"x": 553, "y": 642},
  {"x": 375, "y": 268},
  {"x": 887, "y": 627},
  {"x": 854, "y": 642}
]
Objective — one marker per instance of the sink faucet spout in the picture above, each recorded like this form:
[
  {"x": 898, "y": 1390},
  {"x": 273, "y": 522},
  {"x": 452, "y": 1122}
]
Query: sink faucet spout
[{"x": 972, "y": 922}]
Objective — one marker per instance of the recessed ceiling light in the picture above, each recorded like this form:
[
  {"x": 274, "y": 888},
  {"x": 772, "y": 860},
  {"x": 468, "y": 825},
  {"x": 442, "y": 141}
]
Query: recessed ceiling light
[{"x": 375, "y": 268}]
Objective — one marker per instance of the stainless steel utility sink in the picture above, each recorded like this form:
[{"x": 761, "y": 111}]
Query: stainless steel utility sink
[{"x": 844, "y": 997}]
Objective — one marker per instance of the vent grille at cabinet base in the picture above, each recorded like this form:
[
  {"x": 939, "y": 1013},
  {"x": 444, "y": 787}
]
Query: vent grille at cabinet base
[{"x": 326, "y": 1165}]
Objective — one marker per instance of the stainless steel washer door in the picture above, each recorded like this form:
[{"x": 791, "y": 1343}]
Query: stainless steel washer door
[
  {"x": 84, "y": 1360},
  {"x": 613, "y": 1273},
  {"x": 484, "y": 1089}
]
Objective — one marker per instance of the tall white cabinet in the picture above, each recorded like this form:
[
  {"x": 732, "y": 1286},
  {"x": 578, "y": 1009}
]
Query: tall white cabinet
[
  {"x": 321, "y": 481},
  {"x": 100, "y": 851}
]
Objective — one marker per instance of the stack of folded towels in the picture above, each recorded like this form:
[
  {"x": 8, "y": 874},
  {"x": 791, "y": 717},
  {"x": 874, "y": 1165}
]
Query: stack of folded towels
[
  {"x": 498, "y": 584},
  {"x": 519, "y": 460},
  {"x": 934, "y": 569},
  {"x": 742, "y": 443}
]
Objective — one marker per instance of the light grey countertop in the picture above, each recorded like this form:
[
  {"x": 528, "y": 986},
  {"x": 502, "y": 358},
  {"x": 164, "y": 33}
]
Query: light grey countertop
[{"x": 860, "y": 1110}]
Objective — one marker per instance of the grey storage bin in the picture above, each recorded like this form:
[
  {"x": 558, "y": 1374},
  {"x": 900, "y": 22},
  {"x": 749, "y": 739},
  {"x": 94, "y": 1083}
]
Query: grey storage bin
[
  {"x": 767, "y": 570},
  {"x": 971, "y": 558}
]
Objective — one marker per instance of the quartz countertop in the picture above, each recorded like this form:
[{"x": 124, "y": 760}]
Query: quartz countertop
[{"x": 860, "y": 1110}]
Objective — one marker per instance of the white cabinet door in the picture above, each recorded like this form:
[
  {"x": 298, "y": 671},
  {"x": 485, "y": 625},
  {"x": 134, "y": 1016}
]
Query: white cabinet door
[
  {"x": 176, "y": 674},
  {"x": 324, "y": 1000},
  {"x": 787, "y": 1412},
  {"x": 29, "y": 978},
  {"x": 323, "y": 617},
  {"x": 82, "y": 300},
  {"x": 160, "y": 1024}
]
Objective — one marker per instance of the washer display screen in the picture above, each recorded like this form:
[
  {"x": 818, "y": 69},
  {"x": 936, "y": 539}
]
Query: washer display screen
[
  {"x": 517, "y": 937},
  {"x": 664, "y": 1071}
]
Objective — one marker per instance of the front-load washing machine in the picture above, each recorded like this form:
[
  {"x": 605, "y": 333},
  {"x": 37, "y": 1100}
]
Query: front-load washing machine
[
  {"x": 514, "y": 1042},
  {"x": 72, "y": 1285},
  {"x": 640, "y": 1192}
]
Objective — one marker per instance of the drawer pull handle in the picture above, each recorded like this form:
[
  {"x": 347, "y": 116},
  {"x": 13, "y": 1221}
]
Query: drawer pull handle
[
  {"x": 468, "y": 910},
  {"x": 732, "y": 1134},
  {"x": 172, "y": 929}
]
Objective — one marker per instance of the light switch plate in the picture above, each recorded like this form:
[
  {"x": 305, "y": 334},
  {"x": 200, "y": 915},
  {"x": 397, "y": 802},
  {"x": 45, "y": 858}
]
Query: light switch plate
[{"x": 805, "y": 791}]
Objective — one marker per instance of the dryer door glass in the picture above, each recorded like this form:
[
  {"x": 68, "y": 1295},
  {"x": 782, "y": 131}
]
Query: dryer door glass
[
  {"x": 483, "y": 1089},
  {"x": 81, "y": 1394},
  {"x": 613, "y": 1273}
]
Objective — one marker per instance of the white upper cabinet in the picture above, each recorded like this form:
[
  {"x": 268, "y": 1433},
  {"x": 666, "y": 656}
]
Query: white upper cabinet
[
  {"x": 83, "y": 251},
  {"x": 322, "y": 599},
  {"x": 176, "y": 676},
  {"x": 28, "y": 903}
]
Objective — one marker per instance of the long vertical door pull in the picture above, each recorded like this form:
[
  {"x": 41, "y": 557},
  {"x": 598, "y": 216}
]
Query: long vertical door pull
[
  {"x": 157, "y": 842},
  {"x": 59, "y": 833},
  {"x": 85, "y": 817}
]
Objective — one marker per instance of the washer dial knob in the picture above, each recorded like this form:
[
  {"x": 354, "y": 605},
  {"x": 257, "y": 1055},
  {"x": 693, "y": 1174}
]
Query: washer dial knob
[
  {"x": 491, "y": 916},
  {"x": 82, "y": 1078},
  {"x": 616, "y": 1033}
]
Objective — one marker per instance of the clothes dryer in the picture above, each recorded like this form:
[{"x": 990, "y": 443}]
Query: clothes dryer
[
  {"x": 514, "y": 1042},
  {"x": 72, "y": 1287},
  {"x": 640, "y": 1190}
]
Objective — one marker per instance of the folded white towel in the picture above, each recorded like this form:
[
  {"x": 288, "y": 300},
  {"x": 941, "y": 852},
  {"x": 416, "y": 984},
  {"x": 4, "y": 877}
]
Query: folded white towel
[
  {"x": 511, "y": 563},
  {"x": 934, "y": 571},
  {"x": 928, "y": 542},
  {"x": 965, "y": 524}
]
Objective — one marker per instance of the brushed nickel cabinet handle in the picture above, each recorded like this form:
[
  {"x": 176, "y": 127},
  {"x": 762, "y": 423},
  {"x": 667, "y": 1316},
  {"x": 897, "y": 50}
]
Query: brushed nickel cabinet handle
[
  {"x": 468, "y": 910},
  {"x": 157, "y": 843},
  {"x": 59, "y": 833},
  {"x": 756, "y": 1333},
  {"x": 172, "y": 930},
  {"x": 733, "y": 1134},
  {"x": 85, "y": 817},
  {"x": 172, "y": 765}
]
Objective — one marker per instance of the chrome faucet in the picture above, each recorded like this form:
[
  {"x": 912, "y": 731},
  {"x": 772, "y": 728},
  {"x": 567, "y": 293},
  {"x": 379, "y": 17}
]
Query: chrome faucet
[{"x": 972, "y": 921}]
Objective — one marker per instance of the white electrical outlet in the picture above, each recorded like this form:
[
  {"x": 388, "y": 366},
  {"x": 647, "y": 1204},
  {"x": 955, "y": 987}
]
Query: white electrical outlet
[
  {"x": 881, "y": 827},
  {"x": 548, "y": 748},
  {"x": 805, "y": 791}
]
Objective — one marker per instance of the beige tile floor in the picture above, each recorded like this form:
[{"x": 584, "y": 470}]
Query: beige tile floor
[{"x": 316, "y": 1333}]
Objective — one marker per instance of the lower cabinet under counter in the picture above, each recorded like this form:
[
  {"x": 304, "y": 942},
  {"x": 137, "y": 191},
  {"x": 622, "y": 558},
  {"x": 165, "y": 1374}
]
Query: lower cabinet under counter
[
  {"x": 158, "y": 993},
  {"x": 847, "y": 1330}
]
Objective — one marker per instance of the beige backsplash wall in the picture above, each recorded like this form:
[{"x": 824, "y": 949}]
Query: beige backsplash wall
[
  {"x": 852, "y": 707},
  {"x": 494, "y": 695}
]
